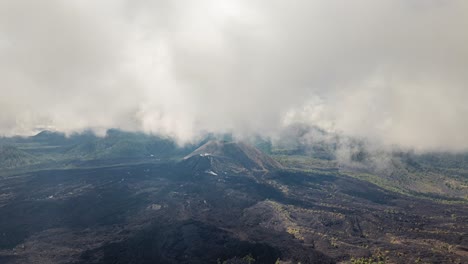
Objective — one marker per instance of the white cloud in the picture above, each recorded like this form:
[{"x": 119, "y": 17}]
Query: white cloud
[{"x": 391, "y": 71}]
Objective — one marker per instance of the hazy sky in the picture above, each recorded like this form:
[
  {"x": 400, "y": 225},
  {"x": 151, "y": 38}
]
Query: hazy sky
[{"x": 392, "y": 71}]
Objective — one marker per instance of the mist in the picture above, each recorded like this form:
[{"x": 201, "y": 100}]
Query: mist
[{"x": 392, "y": 72}]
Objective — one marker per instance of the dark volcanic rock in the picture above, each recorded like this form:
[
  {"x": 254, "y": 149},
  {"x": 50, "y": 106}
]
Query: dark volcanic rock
[{"x": 180, "y": 242}]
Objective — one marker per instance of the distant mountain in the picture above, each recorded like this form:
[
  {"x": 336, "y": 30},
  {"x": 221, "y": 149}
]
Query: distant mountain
[
  {"x": 222, "y": 156},
  {"x": 118, "y": 144},
  {"x": 12, "y": 157},
  {"x": 49, "y": 137},
  {"x": 49, "y": 148}
]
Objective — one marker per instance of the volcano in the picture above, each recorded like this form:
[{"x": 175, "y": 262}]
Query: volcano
[{"x": 217, "y": 157}]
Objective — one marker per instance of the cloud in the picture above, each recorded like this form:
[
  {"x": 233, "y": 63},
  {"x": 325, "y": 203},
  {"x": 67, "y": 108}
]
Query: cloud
[{"x": 389, "y": 71}]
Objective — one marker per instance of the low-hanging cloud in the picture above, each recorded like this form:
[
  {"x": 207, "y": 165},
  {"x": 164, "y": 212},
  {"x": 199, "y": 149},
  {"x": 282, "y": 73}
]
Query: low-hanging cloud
[{"x": 391, "y": 71}]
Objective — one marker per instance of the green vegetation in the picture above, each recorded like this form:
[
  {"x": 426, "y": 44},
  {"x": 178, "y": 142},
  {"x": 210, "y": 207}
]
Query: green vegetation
[
  {"x": 12, "y": 157},
  {"x": 378, "y": 257},
  {"x": 423, "y": 180},
  {"x": 247, "y": 259},
  {"x": 54, "y": 150},
  {"x": 370, "y": 260}
]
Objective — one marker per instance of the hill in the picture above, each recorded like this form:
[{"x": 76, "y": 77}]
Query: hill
[
  {"x": 12, "y": 157},
  {"x": 222, "y": 157}
]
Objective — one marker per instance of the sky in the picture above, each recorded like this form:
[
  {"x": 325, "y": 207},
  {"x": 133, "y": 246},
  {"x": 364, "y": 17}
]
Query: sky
[{"x": 394, "y": 72}]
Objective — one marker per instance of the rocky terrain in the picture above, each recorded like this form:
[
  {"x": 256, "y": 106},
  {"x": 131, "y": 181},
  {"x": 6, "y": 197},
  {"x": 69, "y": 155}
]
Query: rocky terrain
[{"x": 218, "y": 202}]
